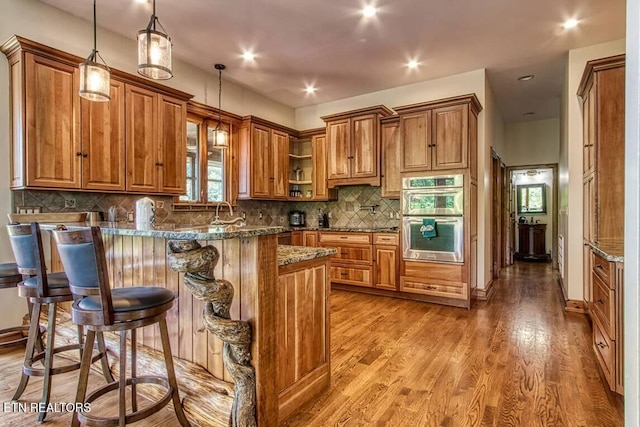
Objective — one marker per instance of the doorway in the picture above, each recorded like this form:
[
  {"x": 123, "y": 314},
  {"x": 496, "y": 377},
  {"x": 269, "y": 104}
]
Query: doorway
[{"x": 533, "y": 213}]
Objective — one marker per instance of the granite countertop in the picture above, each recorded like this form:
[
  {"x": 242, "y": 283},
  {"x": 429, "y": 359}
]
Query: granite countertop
[
  {"x": 291, "y": 254},
  {"x": 347, "y": 229},
  {"x": 611, "y": 250},
  {"x": 179, "y": 232}
]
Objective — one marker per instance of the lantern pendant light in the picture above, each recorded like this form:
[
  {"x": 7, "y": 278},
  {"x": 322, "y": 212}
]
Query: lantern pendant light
[
  {"x": 220, "y": 136},
  {"x": 154, "y": 50},
  {"x": 94, "y": 73}
]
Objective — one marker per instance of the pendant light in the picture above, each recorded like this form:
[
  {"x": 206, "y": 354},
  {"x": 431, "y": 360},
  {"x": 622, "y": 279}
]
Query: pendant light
[
  {"x": 154, "y": 50},
  {"x": 220, "y": 136},
  {"x": 94, "y": 73}
]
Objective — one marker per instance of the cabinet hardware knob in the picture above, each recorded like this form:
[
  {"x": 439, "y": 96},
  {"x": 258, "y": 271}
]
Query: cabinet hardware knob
[
  {"x": 344, "y": 253},
  {"x": 431, "y": 287},
  {"x": 159, "y": 164},
  {"x": 85, "y": 155},
  {"x": 602, "y": 345},
  {"x": 79, "y": 153},
  {"x": 600, "y": 301},
  {"x": 344, "y": 274},
  {"x": 599, "y": 267},
  {"x": 344, "y": 237}
]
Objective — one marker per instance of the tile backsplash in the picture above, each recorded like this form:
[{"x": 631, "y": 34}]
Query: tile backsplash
[{"x": 350, "y": 210}]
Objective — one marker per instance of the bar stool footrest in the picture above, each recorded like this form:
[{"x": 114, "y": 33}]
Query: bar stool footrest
[
  {"x": 131, "y": 417},
  {"x": 28, "y": 368},
  {"x": 13, "y": 330}
]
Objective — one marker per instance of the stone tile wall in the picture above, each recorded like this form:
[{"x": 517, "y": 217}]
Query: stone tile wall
[{"x": 347, "y": 211}]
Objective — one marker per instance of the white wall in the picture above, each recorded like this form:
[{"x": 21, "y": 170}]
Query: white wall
[
  {"x": 632, "y": 220},
  {"x": 459, "y": 84},
  {"x": 571, "y": 170},
  {"x": 532, "y": 142},
  {"x": 50, "y": 26}
]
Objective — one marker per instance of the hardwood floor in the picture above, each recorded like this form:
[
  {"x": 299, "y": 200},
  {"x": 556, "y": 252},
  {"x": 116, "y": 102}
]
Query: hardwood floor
[{"x": 517, "y": 360}]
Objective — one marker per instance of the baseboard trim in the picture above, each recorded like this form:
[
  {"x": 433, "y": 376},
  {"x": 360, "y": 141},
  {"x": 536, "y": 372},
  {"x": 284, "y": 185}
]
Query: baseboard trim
[
  {"x": 484, "y": 294},
  {"x": 575, "y": 306}
]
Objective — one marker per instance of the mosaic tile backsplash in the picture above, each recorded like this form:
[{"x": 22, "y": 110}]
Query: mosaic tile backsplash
[{"x": 350, "y": 210}]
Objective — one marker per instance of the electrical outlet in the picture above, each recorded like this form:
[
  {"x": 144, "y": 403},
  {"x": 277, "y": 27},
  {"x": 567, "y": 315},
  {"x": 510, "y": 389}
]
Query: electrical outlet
[
  {"x": 130, "y": 216},
  {"x": 259, "y": 214},
  {"x": 160, "y": 204},
  {"x": 390, "y": 215},
  {"x": 329, "y": 215},
  {"x": 281, "y": 220},
  {"x": 69, "y": 203}
]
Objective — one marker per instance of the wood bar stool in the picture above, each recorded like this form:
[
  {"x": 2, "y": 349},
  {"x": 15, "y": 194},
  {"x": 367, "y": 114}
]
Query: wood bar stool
[
  {"x": 9, "y": 278},
  {"x": 121, "y": 309},
  {"x": 41, "y": 289}
]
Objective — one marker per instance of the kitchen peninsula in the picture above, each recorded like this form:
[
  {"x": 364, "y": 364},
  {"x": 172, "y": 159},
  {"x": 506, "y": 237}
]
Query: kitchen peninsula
[{"x": 282, "y": 292}]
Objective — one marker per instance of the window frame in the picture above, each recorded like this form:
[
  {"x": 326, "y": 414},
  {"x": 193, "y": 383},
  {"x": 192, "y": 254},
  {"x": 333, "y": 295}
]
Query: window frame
[{"x": 527, "y": 187}]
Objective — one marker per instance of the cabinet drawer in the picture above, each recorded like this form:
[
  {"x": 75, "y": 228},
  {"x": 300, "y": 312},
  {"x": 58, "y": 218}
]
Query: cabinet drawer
[
  {"x": 352, "y": 254},
  {"x": 358, "y": 275},
  {"x": 385, "y": 239},
  {"x": 351, "y": 238},
  {"x": 602, "y": 267},
  {"x": 605, "y": 352},
  {"x": 434, "y": 287},
  {"x": 603, "y": 305}
]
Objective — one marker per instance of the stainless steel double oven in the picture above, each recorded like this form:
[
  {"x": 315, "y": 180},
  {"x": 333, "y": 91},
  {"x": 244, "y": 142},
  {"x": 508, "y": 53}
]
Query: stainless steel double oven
[{"x": 433, "y": 218}]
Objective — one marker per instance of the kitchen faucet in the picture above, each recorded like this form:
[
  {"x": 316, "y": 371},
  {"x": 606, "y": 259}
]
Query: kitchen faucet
[{"x": 218, "y": 221}]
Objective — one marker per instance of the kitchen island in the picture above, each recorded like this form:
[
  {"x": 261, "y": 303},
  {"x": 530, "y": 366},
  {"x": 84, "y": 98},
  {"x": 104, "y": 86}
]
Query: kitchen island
[{"x": 281, "y": 292}]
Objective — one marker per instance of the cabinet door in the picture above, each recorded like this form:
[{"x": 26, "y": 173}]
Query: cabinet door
[
  {"x": 450, "y": 137},
  {"x": 364, "y": 146},
  {"x": 386, "y": 268},
  {"x": 589, "y": 129},
  {"x": 319, "y": 158},
  {"x": 310, "y": 238},
  {"x": 296, "y": 238},
  {"x": 103, "y": 163},
  {"x": 172, "y": 119},
  {"x": 415, "y": 132},
  {"x": 338, "y": 149},
  {"x": 141, "y": 142},
  {"x": 53, "y": 155},
  {"x": 280, "y": 164},
  {"x": 261, "y": 179},
  {"x": 391, "y": 179}
]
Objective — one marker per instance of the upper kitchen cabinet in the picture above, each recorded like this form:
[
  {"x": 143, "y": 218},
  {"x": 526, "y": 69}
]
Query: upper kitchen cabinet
[
  {"x": 60, "y": 141},
  {"x": 391, "y": 180},
  {"x": 439, "y": 135},
  {"x": 602, "y": 92},
  {"x": 263, "y": 158},
  {"x": 353, "y": 146},
  {"x": 308, "y": 166}
]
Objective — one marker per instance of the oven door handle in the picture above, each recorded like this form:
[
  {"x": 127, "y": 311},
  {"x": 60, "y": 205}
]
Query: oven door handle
[{"x": 447, "y": 221}]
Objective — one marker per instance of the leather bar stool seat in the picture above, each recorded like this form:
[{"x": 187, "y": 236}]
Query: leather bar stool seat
[
  {"x": 9, "y": 278},
  {"x": 58, "y": 286}
]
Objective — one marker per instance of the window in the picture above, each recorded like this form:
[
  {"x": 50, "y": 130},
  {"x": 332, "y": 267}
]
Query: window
[
  {"x": 532, "y": 198},
  {"x": 207, "y": 174}
]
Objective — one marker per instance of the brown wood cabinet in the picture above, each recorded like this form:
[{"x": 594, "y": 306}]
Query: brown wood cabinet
[
  {"x": 60, "y": 141},
  {"x": 103, "y": 141},
  {"x": 310, "y": 238},
  {"x": 319, "y": 186},
  {"x": 438, "y": 135},
  {"x": 531, "y": 241},
  {"x": 386, "y": 261},
  {"x": 263, "y": 160},
  {"x": 391, "y": 180},
  {"x": 353, "y": 146}
]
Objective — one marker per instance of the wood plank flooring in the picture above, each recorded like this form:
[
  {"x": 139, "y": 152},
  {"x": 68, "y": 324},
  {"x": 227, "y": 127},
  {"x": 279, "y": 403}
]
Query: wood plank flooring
[{"x": 518, "y": 360}]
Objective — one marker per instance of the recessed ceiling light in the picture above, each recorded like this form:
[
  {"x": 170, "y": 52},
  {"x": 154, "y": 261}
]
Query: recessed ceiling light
[
  {"x": 369, "y": 11},
  {"x": 570, "y": 23},
  {"x": 529, "y": 113},
  {"x": 142, "y": 1},
  {"x": 248, "y": 56},
  {"x": 526, "y": 78},
  {"x": 310, "y": 89},
  {"x": 413, "y": 64}
]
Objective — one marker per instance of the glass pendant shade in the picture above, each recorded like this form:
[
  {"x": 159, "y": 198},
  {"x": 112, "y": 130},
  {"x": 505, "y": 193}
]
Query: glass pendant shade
[
  {"x": 221, "y": 138},
  {"x": 154, "y": 54},
  {"x": 95, "y": 76},
  {"x": 94, "y": 79}
]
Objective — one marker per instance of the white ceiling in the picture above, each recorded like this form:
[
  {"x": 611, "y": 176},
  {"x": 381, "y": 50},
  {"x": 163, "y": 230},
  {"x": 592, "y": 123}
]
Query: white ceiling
[{"x": 330, "y": 44}]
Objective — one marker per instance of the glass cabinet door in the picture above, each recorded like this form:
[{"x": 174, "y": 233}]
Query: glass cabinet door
[
  {"x": 193, "y": 162},
  {"x": 215, "y": 172}
]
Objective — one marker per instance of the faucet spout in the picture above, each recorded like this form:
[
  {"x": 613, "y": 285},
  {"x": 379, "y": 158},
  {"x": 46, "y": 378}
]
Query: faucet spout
[{"x": 218, "y": 221}]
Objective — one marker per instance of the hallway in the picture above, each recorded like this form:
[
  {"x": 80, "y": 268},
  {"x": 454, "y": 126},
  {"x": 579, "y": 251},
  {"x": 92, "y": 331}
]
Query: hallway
[{"x": 518, "y": 360}]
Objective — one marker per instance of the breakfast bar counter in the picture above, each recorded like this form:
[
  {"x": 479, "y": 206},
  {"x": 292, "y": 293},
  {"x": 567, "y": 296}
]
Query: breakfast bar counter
[{"x": 282, "y": 294}]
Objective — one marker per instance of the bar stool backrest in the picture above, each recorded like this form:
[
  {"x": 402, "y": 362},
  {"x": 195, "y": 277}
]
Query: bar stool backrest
[
  {"x": 82, "y": 255},
  {"x": 26, "y": 243}
]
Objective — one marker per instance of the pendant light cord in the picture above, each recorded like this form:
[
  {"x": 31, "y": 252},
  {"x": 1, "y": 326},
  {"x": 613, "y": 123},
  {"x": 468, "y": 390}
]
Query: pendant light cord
[
  {"x": 219, "y": 97},
  {"x": 94, "y": 27}
]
